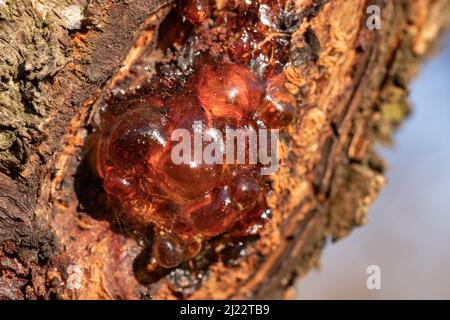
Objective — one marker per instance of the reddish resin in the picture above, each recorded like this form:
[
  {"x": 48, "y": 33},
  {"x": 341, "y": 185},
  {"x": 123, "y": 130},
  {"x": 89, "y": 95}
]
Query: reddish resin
[
  {"x": 278, "y": 105},
  {"x": 228, "y": 90},
  {"x": 245, "y": 190},
  {"x": 188, "y": 203},
  {"x": 170, "y": 250},
  {"x": 196, "y": 11}
]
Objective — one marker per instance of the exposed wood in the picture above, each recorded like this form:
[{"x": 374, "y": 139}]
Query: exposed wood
[{"x": 57, "y": 58}]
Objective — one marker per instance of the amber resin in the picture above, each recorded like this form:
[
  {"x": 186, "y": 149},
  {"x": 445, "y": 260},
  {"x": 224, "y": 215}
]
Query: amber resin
[{"x": 190, "y": 203}]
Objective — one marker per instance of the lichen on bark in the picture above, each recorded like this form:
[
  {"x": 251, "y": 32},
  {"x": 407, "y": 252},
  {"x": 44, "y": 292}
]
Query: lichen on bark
[{"x": 33, "y": 49}]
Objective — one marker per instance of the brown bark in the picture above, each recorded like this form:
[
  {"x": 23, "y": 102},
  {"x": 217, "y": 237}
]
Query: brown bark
[{"x": 55, "y": 241}]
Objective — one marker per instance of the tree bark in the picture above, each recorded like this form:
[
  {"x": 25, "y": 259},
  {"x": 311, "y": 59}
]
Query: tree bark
[{"x": 58, "y": 57}]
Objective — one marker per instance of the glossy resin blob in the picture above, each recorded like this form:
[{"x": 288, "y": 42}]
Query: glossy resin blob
[{"x": 190, "y": 202}]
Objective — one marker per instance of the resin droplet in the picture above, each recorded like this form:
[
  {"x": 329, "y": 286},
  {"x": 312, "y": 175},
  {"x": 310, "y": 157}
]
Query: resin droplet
[
  {"x": 168, "y": 250},
  {"x": 245, "y": 42},
  {"x": 278, "y": 105},
  {"x": 245, "y": 191},
  {"x": 191, "y": 181},
  {"x": 216, "y": 218},
  {"x": 118, "y": 185},
  {"x": 155, "y": 173},
  {"x": 228, "y": 90},
  {"x": 196, "y": 11},
  {"x": 277, "y": 114},
  {"x": 138, "y": 134}
]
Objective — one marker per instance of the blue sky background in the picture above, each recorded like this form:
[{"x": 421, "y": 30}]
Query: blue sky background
[{"x": 408, "y": 234}]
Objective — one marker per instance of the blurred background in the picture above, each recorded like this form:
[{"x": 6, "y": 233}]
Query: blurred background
[{"x": 408, "y": 234}]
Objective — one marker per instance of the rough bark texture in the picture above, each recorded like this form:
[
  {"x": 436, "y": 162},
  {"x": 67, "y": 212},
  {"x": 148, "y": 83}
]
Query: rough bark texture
[{"x": 57, "y": 56}]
